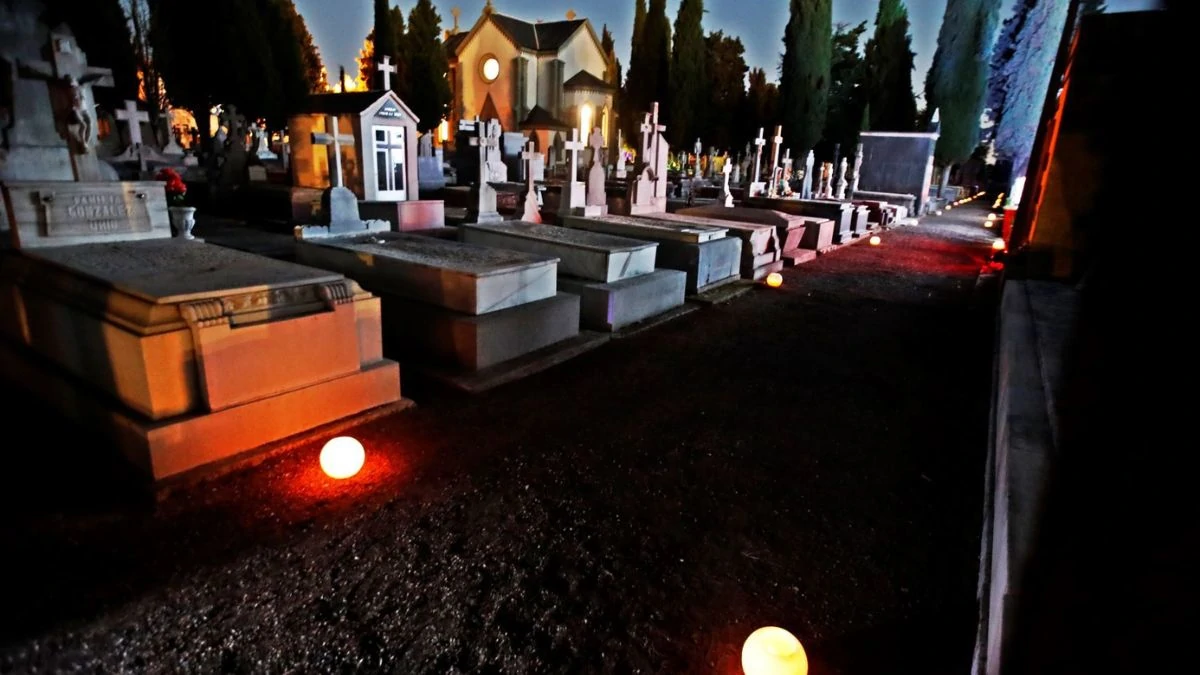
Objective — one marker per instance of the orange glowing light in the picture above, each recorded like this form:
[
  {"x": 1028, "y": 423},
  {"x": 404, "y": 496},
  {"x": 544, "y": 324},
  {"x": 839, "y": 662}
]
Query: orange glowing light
[
  {"x": 998, "y": 244},
  {"x": 876, "y": 240},
  {"x": 774, "y": 279},
  {"x": 773, "y": 651},
  {"x": 342, "y": 457}
]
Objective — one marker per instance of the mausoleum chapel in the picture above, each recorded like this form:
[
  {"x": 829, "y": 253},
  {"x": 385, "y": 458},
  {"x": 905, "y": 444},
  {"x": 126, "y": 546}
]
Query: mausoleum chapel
[
  {"x": 540, "y": 77},
  {"x": 336, "y": 337}
]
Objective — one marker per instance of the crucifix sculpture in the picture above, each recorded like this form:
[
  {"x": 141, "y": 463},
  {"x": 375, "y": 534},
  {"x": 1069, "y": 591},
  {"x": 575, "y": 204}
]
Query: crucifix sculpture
[
  {"x": 386, "y": 68},
  {"x": 727, "y": 169},
  {"x": 775, "y": 148},
  {"x": 334, "y": 140},
  {"x": 68, "y": 72}
]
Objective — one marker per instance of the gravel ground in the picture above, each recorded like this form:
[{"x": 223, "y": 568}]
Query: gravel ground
[{"x": 809, "y": 457}]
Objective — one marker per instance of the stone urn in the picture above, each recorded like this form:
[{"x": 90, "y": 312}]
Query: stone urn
[{"x": 183, "y": 219}]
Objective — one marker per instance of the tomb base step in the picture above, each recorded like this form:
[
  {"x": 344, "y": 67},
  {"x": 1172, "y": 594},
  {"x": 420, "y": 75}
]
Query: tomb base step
[
  {"x": 762, "y": 271},
  {"x": 479, "y": 381},
  {"x": 430, "y": 335},
  {"x": 613, "y": 306},
  {"x": 818, "y": 235},
  {"x": 172, "y": 447},
  {"x": 707, "y": 265},
  {"x": 798, "y": 257}
]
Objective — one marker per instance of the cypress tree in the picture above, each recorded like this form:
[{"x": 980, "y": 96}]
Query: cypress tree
[
  {"x": 649, "y": 68},
  {"x": 1026, "y": 76},
  {"x": 630, "y": 96},
  {"x": 847, "y": 89},
  {"x": 762, "y": 104},
  {"x": 957, "y": 81},
  {"x": 889, "y": 70},
  {"x": 385, "y": 40},
  {"x": 726, "y": 68},
  {"x": 804, "y": 73},
  {"x": 102, "y": 31},
  {"x": 688, "y": 83},
  {"x": 427, "y": 66}
]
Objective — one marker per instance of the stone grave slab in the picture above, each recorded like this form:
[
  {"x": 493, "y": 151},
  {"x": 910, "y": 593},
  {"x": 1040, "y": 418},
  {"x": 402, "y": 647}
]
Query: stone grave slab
[
  {"x": 800, "y": 237},
  {"x": 198, "y": 353},
  {"x": 581, "y": 253},
  {"x": 841, "y": 213},
  {"x": 760, "y": 243},
  {"x": 609, "y": 307},
  {"x": 638, "y": 228},
  {"x": 703, "y": 252},
  {"x": 459, "y": 341},
  {"x": 461, "y": 277}
]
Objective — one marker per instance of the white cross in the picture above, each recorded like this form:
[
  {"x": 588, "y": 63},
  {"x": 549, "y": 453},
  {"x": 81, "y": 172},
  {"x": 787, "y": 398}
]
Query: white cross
[
  {"x": 387, "y": 69},
  {"x": 760, "y": 142},
  {"x": 727, "y": 169},
  {"x": 530, "y": 155},
  {"x": 335, "y": 139},
  {"x": 574, "y": 145},
  {"x": 775, "y": 148},
  {"x": 133, "y": 118}
]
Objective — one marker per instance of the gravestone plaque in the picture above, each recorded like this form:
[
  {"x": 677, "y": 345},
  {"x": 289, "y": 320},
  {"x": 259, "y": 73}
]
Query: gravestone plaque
[{"x": 62, "y": 213}]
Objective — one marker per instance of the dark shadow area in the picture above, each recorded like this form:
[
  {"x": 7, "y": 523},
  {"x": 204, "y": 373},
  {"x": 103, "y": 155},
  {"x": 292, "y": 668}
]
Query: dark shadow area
[{"x": 807, "y": 457}]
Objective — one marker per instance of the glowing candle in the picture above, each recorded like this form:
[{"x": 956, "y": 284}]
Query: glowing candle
[
  {"x": 342, "y": 457},
  {"x": 773, "y": 651},
  {"x": 774, "y": 279}
]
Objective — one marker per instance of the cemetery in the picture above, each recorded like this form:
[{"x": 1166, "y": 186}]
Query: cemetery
[{"x": 541, "y": 344}]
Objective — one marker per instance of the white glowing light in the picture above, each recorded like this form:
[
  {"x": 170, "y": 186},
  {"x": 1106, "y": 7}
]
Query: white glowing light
[
  {"x": 773, "y": 651},
  {"x": 342, "y": 457}
]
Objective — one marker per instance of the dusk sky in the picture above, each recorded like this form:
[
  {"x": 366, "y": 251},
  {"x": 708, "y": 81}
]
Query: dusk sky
[{"x": 340, "y": 26}]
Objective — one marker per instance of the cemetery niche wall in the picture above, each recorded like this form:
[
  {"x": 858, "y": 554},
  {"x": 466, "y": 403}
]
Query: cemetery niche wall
[
  {"x": 380, "y": 165},
  {"x": 179, "y": 353},
  {"x": 896, "y": 164}
]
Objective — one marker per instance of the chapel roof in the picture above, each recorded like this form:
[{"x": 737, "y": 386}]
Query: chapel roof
[
  {"x": 540, "y": 118},
  {"x": 352, "y": 102},
  {"x": 585, "y": 80},
  {"x": 548, "y": 36}
]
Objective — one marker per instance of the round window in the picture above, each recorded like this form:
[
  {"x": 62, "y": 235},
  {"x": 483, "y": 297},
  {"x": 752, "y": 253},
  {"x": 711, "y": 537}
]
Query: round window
[{"x": 491, "y": 68}]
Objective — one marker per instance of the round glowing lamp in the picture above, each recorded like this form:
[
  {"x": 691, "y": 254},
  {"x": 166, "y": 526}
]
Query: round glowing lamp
[
  {"x": 998, "y": 244},
  {"x": 773, "y": 651},
  {"x": 774, "y": 279},
  {"x": 876, "y": 240},
  {"x": 939, "y": 213},
  {"x": 991, "y": 217},
  {"x": 342, "y": 457},
  {"x": 949, "y": 207}
]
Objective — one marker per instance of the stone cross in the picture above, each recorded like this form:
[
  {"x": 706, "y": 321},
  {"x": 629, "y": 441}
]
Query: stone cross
[
  {"x": 727, "y": 169},
  {"x": 776, "y": 147},
  {"x": 858, "y": 161},
  {"x": 574, "y": 146},
  {"x": 531, "y": 215},
  {"x": 68, "y": 68},
  {"x": 650, "y": 130},
  {"x": 810, "y": 179},
  {"x": 133, "y": 118},
  {"x": 760, "y": 142},
  {"x": 841, "y": 181},
  {"x": 335, "y": 140},
  {"x": 595, "y": 177},
  {"x": 171, "y": 146},
  {"x": 385, "y": 66}
]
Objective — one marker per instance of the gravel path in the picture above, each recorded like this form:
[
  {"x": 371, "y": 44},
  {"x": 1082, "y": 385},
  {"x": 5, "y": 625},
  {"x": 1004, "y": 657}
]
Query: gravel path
[{"x": 809, "y": 457}]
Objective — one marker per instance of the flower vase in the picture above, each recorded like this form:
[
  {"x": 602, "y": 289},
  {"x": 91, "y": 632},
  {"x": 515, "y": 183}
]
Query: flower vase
[{"x": 183, "y": 219}]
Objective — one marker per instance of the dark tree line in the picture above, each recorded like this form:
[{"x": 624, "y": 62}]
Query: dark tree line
[{"x": 420, "y": 59}]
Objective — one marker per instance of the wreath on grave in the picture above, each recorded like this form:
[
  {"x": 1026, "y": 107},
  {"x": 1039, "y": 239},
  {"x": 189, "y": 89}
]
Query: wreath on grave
[{"x": 175, "y": 187}]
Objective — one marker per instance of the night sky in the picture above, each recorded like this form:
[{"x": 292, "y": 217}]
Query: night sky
[{"x": 340, "y": 26}]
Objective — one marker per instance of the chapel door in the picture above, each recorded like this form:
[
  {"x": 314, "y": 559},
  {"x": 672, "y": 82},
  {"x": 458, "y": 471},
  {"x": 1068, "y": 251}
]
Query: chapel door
[{"x": 390, "y": 177}]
